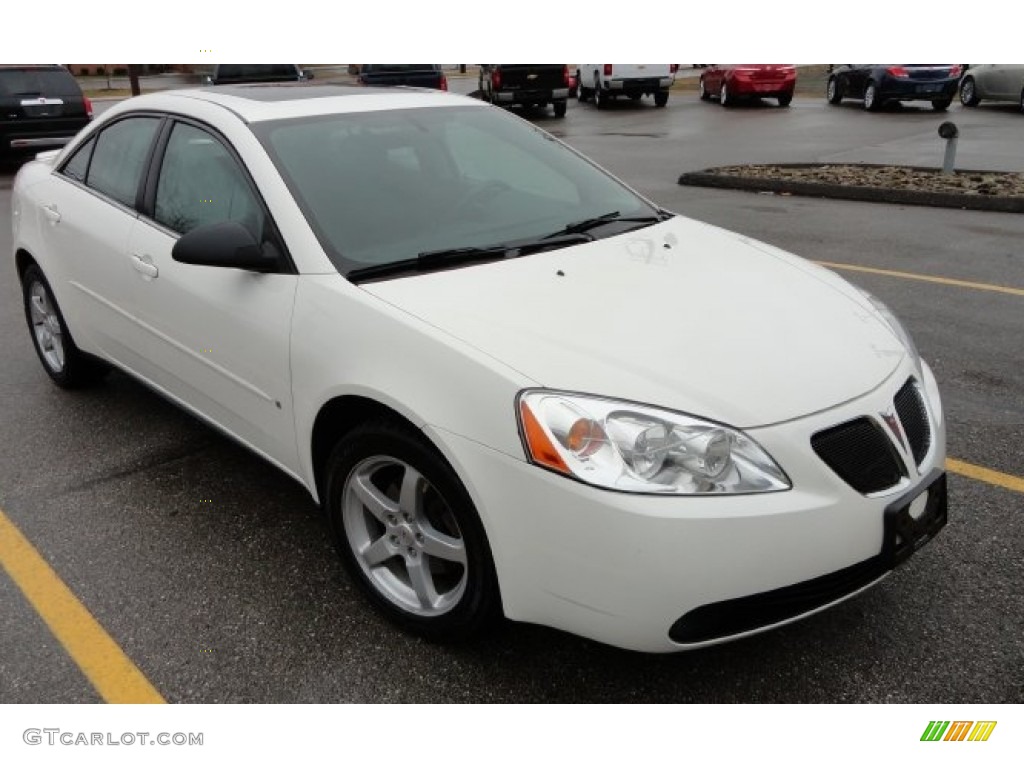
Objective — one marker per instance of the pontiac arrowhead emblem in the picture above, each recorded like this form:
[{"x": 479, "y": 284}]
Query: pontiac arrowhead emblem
[{"x": 894, "y": 426}]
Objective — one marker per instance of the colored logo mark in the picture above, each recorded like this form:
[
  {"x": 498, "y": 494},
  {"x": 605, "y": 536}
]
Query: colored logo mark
[{"x": 958, "y": 730}]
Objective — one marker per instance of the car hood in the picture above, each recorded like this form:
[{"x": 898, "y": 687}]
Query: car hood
[{"x": 681, "y": 315}]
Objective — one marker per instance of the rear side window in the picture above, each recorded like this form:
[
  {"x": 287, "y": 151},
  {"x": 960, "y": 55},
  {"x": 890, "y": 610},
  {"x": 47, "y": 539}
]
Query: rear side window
[
  {"x": 79, "y": 163},
  {"x": 120, "y": 156},
  {"x": 38, "y": 82}
]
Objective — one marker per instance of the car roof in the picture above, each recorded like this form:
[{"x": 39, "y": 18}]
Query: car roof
[{"x": 256, "y": 102}]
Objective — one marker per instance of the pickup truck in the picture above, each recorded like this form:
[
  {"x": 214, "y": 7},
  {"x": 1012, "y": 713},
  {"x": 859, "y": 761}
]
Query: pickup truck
[
  {"x": 530, "y": 85},
  {"x": 605, "y": 82}
]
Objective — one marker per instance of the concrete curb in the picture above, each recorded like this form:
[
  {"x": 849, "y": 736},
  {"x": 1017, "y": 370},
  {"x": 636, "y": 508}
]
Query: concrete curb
[{"x": 709, "y": 178}]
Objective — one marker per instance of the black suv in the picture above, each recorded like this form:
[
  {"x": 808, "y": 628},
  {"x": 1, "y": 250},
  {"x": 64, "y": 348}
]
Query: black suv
[
  {"x": 41, "y": 107},
  {"x": 417, "y": 75},
  {"x": 531, "y": 85},
  {"x": 229, "y": 74}
]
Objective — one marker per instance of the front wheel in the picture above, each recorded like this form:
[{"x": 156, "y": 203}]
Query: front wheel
[
  {"x": 941, "y": 105},
  {"x": 582, "y": 94},
  {"x": 702, "y": 91},
  {"x": 661, "y": 98},
  {"x": 559, "y": 107},
  {"x": 408, "y": 533},
  {"x": 69, "y": 367}
]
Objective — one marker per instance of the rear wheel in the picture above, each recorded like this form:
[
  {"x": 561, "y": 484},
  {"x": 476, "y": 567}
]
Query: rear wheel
[
  {"x": 871, "y": 101},
  {"x": 559, "y": 107},
  {"x": 941, "y": 105},
  {"x": 582, "y": 94},
  {"x": 969, "y": 93},
  {"x": 601, "y": 98},
  {"x": 62, "y": 360},
  {"x": 785, "y": 99},
  {"x": 408, "y": 533},
  {"x": 661, "y": 98},
  {"x": 832, "y": 92},
  {"x": 724, "y": 97}
]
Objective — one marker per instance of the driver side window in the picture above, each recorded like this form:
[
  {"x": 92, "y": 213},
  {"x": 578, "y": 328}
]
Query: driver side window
[{"x": 201, "y": 183}]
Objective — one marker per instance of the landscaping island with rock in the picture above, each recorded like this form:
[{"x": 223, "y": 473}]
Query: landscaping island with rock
[{"x": 904, "y": 185}]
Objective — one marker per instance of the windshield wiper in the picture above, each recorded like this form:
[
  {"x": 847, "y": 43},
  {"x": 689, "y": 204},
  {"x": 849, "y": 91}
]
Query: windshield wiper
[
  {"x": 428, "y": 261},
  {"x": 587, "y": 224}
]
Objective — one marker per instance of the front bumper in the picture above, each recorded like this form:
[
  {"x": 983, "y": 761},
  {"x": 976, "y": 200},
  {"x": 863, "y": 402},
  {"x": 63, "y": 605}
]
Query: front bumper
[{"x": 625, "y": 569}]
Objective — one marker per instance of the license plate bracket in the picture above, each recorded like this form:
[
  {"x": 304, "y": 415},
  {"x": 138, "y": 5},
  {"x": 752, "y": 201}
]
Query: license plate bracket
[{"x": 906, "y": 533}]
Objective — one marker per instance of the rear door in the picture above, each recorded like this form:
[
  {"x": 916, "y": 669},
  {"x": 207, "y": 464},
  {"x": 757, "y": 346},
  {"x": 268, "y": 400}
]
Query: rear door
[
  {"x": 217, "y": 338},
  {"x": 89, "y": 210}
]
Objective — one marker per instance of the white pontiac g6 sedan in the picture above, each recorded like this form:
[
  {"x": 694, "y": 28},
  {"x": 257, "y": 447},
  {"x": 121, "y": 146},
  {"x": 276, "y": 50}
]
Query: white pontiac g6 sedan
[{"x": 515, "y": 385}]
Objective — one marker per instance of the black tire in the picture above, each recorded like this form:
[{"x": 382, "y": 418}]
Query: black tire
[
  {"x": 601, "y": 97},
  {"x": 69, "y": 367},
  {"x": 941, "y": 105},
  {"x": 969, "y": 92},
  {"x": 382, "y": 453},
  {"x": 832, "y": 92},
  {"x": 661, "y": 98},
  {"x": 559, "y": 106},
  {"x": 724, "y": 97},
  {"x": 582, "y": 94},
  {"x": 702, "y": 90},
  {"x": 785, "y": 99},
  {"x": 872, "y": 102}
]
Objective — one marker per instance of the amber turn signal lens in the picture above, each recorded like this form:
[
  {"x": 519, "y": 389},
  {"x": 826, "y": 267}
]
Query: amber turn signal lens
[
  {"x": 538, "y": 443},
  {"x": 585, "y": 438}
]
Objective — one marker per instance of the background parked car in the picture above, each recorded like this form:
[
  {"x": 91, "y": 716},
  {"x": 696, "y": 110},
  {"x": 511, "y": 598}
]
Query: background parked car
[
  {"x": 41, "y": 107},
  {"x": 228, "y": 74},
  {"x": 418, "y": 75},
  {"x": 531, "y": 85},
  {"x": 731, "y": 82},
  {"x": 606, "y": 81},
  {"x": 993, "y": 82},
  {"x": 877, "y": 84}
]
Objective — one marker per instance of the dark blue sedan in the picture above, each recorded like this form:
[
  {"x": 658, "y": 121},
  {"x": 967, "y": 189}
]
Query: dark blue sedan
[{"x": 876, "y": 84}]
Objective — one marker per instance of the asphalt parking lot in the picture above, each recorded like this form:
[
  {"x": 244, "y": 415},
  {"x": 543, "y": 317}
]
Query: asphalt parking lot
[{"x": 216, "y": 577}]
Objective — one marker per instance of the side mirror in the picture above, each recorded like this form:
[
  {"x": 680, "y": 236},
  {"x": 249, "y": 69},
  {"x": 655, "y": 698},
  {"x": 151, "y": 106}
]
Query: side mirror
[{"x": 224, "y": 244}]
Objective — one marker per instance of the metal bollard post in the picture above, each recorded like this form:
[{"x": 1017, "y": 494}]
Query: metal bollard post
[{"x": 950, "y": 133}]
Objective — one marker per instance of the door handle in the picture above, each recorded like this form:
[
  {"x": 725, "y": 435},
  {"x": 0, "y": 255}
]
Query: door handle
[
  {"x": 52, "y": 213},
  {"x": 144, "y": 265}
]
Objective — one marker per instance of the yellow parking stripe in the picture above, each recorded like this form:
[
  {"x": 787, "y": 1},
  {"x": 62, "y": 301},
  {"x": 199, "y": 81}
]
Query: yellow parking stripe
[
  {"x": 925, "y": 278},
  {"x": 1003, "y": 480},
  {"x": 112, "y": 673}
]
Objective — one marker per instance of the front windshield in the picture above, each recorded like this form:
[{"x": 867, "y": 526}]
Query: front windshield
[{"x": 384, "y": 186}]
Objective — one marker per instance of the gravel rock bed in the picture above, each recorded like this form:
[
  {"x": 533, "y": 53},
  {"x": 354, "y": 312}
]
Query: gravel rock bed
[{"x": 889, "y": 177}]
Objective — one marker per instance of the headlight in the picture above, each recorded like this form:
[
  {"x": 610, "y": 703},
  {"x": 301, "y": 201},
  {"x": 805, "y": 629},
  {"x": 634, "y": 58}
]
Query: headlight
[
  {"x": 637, "y": 448},
  {"x": 897, "y": 327}
]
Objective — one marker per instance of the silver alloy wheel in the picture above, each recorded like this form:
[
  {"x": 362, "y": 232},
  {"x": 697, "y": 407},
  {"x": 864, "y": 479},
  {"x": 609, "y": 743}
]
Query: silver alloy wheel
[
  {"x": 723, "y": 95},
  {"x": 967, "y": 93},
  {"x": 830, "y": 90},
  {"x": 701, "y": 90},
  {"x": 869, "y": 96},
  {"x": 46, "y": 327},
  {"x": 404, "y": 536}
]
